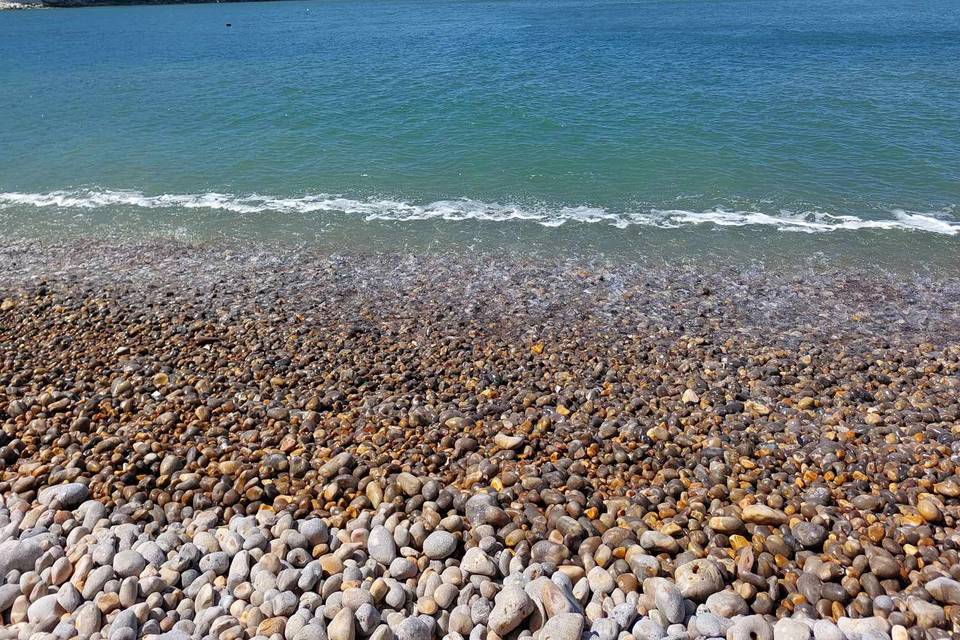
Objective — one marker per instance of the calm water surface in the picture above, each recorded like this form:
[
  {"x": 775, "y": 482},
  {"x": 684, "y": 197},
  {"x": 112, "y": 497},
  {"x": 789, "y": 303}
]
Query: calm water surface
[{"x": 747, "y": 127}]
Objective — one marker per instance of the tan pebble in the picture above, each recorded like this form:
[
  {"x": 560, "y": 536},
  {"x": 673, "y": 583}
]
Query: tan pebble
[
  {"x": 107, "y": 602},
  {"x": 929, "y": 510},
  {"x": 331, "y": 564},
  {"x": 271, "y": 626},
  {"x": 427, "y": 605},
  {"x": 762, "y": 514}
]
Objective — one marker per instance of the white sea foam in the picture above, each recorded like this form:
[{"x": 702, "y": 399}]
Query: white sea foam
[{"x": 467, "y": 209}]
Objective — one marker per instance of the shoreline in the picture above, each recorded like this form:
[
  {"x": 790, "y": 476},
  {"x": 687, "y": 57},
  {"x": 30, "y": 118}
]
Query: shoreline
[{"x": 249, "y": 441}]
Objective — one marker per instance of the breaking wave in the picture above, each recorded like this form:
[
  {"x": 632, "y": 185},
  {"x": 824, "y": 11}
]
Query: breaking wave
[{"x": 467, "y": 209}]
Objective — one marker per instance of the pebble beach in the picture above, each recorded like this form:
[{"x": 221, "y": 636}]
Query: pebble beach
[{"x": 252, "y": 442}]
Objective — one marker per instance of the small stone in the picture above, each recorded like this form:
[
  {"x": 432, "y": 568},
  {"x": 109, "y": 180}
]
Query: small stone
[
  {"x": 826, "y": 630},
  {"x": 45, "y": 613},
  {"x": 624, "y": 614},
  {"x": 8, "y": 594},
  {"x": 381, "y": 545},
  {"x": 445, "y": 595},
  {"x": 271, "y": 626},
  {"x": 440, "y": 545},
  {"x": 809, "y": 534},
  {"x": 368, "y": 618},
  {"x": 565, "y": 626},
  {"x": 512, "y": 606},
  {"x": 87, "y": 619},
  {"x": 667, "y": 598},
  {"x": 604, "y": 629},
  {"x": 698, "y": 579},
  {"x": 659, "y": 542},
  {"x": 128, "y": 563},
  {"x": 383, "y": 632},
  {"x": 412, "y": 628},
  {"x": 882, "y": 563},
  {"x": 944, "y": 590},
  {"x": 928, "y": 615},
  {"x": 727, "y": 604},
  {"x": 311, "y": 632},
  {"x": 95, "y": 581},
  {"x": 750, "y": 628},
  {"x": 648, "y": 629},
  {"x": 69, "y": 597},
  {"x": 863, "y": 628},
  {"x": 929, "y": 510},
  {"x": 547, "y": 551},
  {"x": 600, "y": 581},
  {"x": 66, "y": 495},
  {"x": 218, "y": 562},
  {"x": 460, "y": 620},
  {"x": 709, "y": 625},
  {"x": 505, "y": 442},
  {"x": 476, "y": 562},
  {"x": 789, "y": 629},
  {"x": 402, "y": 568},
  {"x": 725, "y": 524},
  {"x": 762, "y": 514},
  {"x": 949, "y": 487},
  {"x": 171, "y": 463},
  {"x": 342, "y": 627},
  {"x": 409, "y": 483},
  {"x": 19, "y": 555}
]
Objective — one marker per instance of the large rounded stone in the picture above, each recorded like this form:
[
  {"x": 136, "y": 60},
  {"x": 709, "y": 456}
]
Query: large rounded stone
[
  {"x": 511, "y": 607},
  {"x": 381, "y": 546},
  {"x": 565, "y": 626},
  {"x": 67, "y": 496},
  {"x": 750, "y": 628},
  {"x": 342, "y": 626},
  {"x": 440, "y": 545},
  {"x": 698, "y": 579},
  {"x": 128, "y": 563},
  {"x": 944, "y": 590},
  {"x": 789, "y": 629}
]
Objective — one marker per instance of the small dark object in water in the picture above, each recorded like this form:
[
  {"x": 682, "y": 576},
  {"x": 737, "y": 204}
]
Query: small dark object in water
[{"x": 229, "y": 24}]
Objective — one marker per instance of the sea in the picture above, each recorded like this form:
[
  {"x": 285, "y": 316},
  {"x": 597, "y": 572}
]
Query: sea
[{"x": 740, "y": 130}]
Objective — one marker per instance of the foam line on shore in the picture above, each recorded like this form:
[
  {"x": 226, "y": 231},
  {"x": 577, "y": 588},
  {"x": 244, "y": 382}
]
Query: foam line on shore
[{"x": 466, "y": 209}]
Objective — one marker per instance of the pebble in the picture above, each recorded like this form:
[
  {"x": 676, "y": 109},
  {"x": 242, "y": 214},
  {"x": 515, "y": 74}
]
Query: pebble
[
  {"x": 564, "y": 626},
  {"x": 762, "y": 514},
  {"x": 511, "y": 607},
  {"x": 381, "y": 545},
  {"x": 944, "y": 590},
  {"x": 476, "y": 562},
  {"x": 66, "y": 495},
  {"x": 809, "y": 534},
  {"x": 790, "y": 629},
  {"x": 928, "y": 615},
  {"x": 698, "y": 579},
  {"x": 45, "y": 612},
  {"x": 326, "y": 467},
  {"x": 752, "y": 627},
  {"x": 341, "y": 627},
  {"x": 412, "y": 629},
  {"x": 130, "y": 563},
  {"x": 605, "y": 629},
  {"x": 648, "y": 629},
  {"x": 439, "y": 545},
  {"x": 600, "y": 580},
  {"x": 667, "y": 599}
]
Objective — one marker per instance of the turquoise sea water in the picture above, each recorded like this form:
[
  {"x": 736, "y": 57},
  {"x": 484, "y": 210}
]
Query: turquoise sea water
[{"x": 662, "y": 125}]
